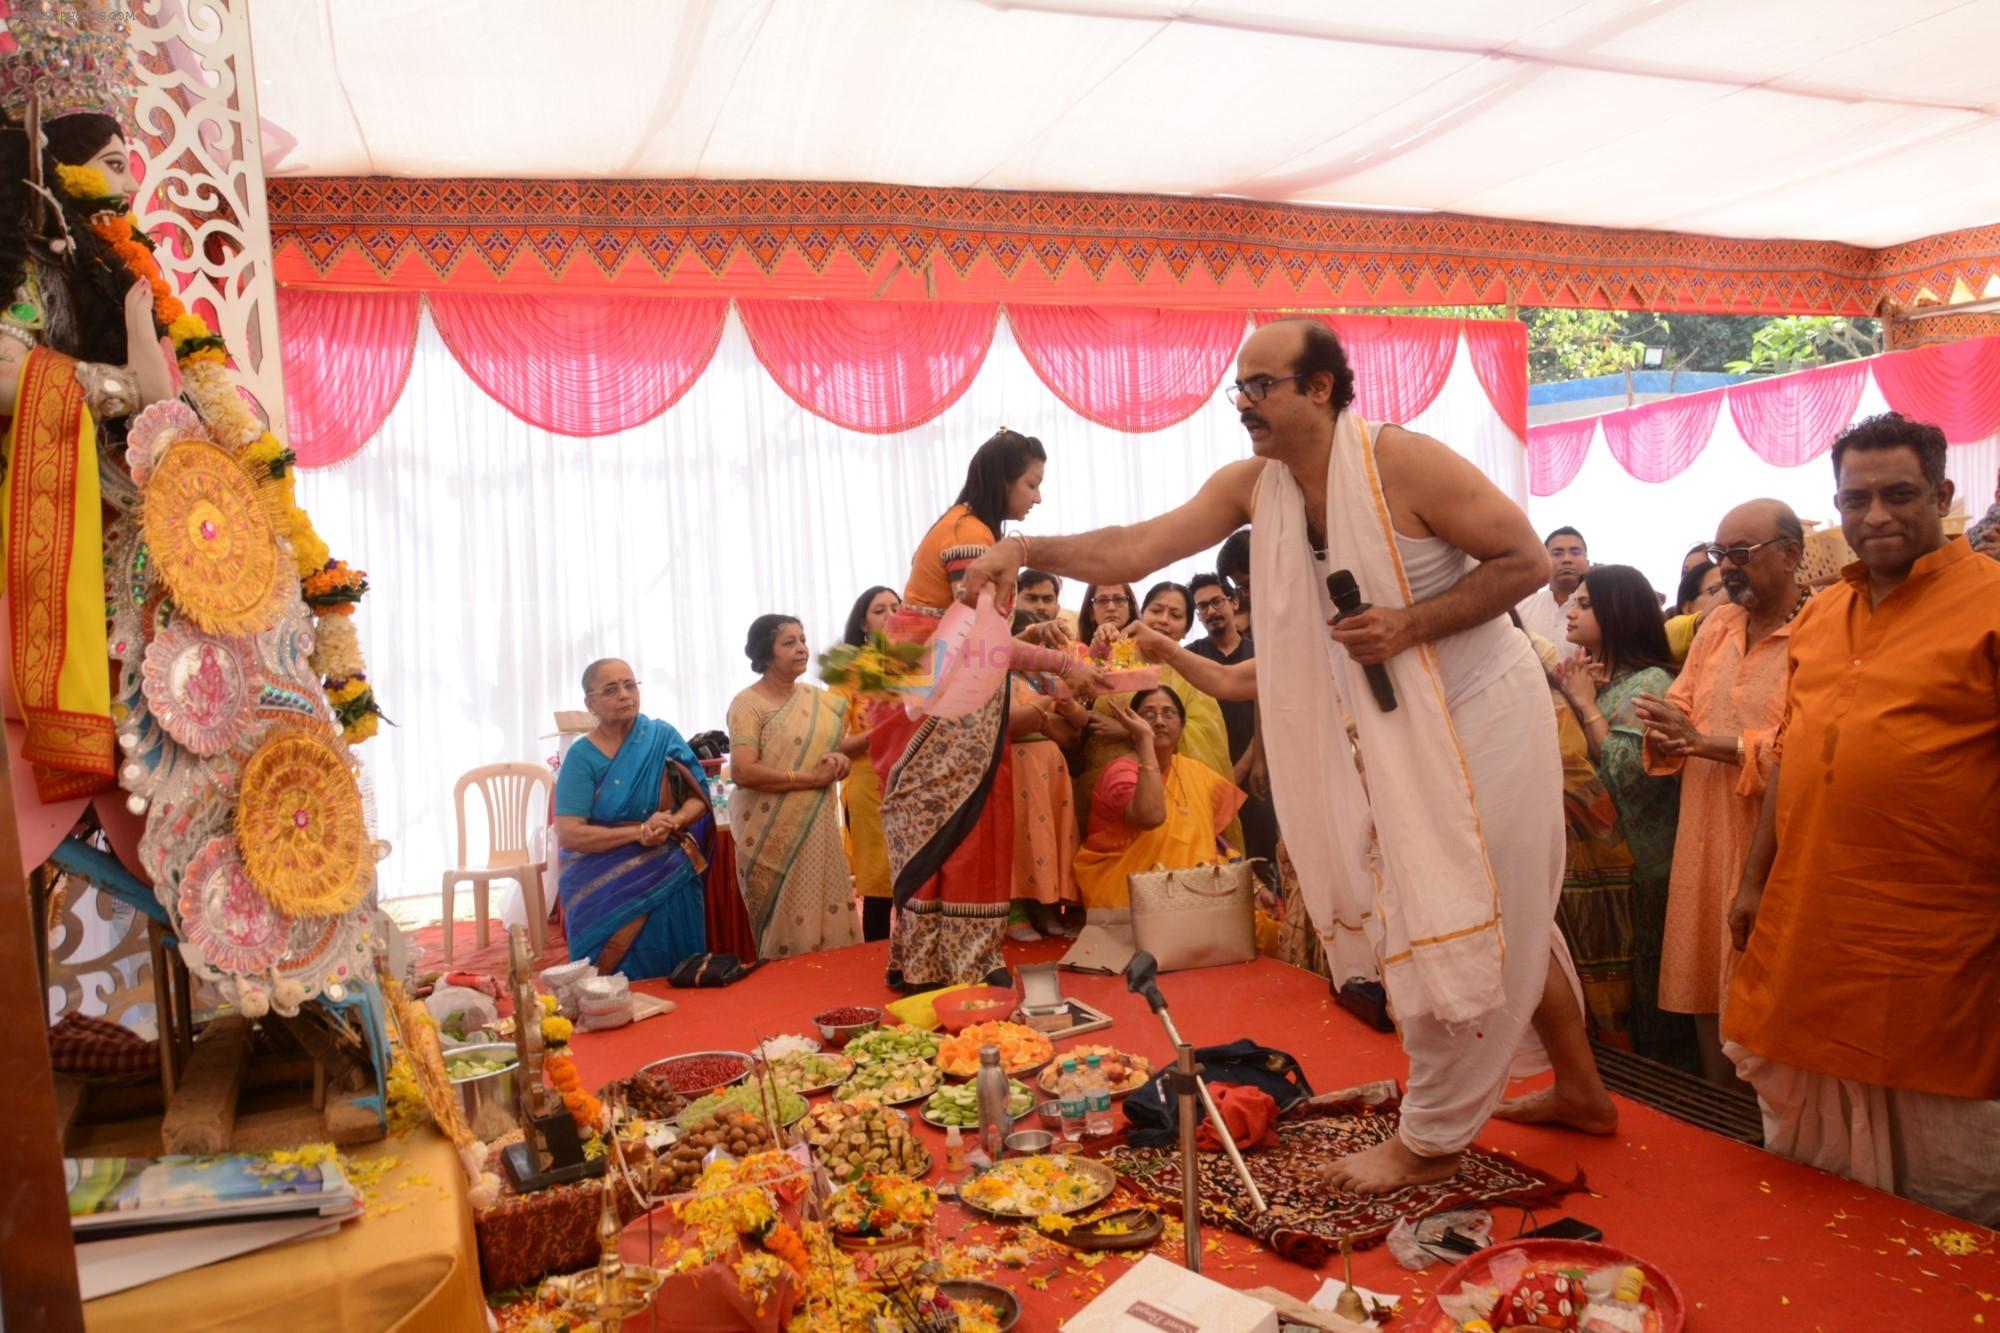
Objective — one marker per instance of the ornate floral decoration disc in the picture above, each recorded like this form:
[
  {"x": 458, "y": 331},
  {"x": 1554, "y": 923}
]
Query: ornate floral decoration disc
[
  {"x": 300, "y": 824},
  {"x": 211, "y": 539},
  {"x": 202, "y": 688},
  {"x": 326, "y": 949},
  {"x": 221, "y": 913}
]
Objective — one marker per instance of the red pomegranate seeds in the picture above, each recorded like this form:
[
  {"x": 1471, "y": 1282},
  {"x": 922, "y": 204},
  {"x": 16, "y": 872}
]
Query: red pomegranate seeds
[
  {"x": 699, "y": 1073},
  {"x": 840, "y": 1018}
]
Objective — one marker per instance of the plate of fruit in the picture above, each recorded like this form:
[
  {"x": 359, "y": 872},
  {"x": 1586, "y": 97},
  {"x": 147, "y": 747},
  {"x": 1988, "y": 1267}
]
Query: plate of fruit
[{"x": 1125, "y": 1073}]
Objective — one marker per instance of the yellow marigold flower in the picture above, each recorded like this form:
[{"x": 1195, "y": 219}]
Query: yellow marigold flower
[
  {"x": 549, "y": 1003},
  {"x": 82, "y": 182},
  {"x": 211, "y": 355},
  {"x": 187, "y": 328},
  {"x": 556, "y": 1029}
]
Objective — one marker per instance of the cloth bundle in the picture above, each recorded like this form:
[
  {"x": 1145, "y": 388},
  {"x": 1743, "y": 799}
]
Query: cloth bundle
[
  {"x": 604, "y": 1002},
  {"x": 1250, "y": 1113}
]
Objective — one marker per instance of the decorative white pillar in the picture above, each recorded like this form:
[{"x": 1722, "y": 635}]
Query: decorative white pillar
[{"x": 202, "y": 199}]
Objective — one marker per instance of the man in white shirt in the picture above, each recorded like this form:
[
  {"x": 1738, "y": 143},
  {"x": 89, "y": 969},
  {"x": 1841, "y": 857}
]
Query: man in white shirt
[{"x": 1546, "y": 610}]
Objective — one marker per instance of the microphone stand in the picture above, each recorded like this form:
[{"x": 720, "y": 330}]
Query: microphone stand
[{"x": 1142, "y": 978}]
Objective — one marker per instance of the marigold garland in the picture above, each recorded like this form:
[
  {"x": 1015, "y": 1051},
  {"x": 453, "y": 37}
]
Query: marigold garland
[{"x": 203, "y": 358}]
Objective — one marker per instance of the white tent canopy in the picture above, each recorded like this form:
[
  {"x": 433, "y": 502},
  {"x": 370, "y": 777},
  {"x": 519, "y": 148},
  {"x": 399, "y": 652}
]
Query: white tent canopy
[{"x": 1848, "y": 120}]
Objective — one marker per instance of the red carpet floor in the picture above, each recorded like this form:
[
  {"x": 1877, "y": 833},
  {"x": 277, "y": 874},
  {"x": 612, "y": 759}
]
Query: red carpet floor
[{"x": 1755, "y": 1242}]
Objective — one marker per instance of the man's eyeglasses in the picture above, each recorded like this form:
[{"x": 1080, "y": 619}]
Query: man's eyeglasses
[
  {"x": 1254, "y": 389},
  {"x": 617, "y": 687},
  {"x": 1738, "y": 555},
  {"x": 1202, "y": 608}
]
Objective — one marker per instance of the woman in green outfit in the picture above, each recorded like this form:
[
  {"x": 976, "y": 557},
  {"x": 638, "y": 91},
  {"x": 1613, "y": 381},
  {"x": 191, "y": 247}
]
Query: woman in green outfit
[{"x": 1615, "y": 618}]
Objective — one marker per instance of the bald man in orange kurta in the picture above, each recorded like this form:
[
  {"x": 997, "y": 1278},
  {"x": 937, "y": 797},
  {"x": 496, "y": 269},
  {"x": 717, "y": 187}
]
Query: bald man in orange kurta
[{"x": 1866, "y": 1010}]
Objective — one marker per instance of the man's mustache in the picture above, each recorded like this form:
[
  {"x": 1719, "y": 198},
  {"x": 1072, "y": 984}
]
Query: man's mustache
[{"x": 1252, "y": 419}]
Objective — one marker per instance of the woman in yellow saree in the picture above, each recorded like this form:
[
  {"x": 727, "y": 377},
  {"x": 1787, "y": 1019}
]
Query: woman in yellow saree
[
  {"x": 861, "y": 793},
  {"x": 1154, "y": 807},
  {"x": 1168, "y": 609},
  {"x": 785, "y": 755}
]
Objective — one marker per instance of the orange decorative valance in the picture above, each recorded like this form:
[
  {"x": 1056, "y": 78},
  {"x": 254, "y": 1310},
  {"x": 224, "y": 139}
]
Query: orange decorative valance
[{"x": 780, "y": 239}]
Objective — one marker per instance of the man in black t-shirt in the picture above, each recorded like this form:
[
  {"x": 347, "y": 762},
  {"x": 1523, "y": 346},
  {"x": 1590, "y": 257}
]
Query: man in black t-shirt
[{"x": 1215, "y": 608}]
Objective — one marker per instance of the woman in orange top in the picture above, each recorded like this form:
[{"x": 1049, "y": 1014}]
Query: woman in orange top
[
  {"x": 947, "y": 783},
  {"x": 861, "y": 792}
]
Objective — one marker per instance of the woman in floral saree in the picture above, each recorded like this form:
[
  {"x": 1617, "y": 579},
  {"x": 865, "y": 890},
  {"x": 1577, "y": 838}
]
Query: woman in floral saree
[
  {"x": 787, "y": 749},
  {"x": 947, "y": 784},
  {"x": 633, "y": 823}
]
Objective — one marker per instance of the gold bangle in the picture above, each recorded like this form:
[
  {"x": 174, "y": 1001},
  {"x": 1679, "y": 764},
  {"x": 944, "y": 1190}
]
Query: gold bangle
[{"x": 1027, "y": 561}]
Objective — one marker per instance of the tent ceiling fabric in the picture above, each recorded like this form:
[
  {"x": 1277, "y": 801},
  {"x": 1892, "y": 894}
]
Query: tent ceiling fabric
[{"x": 1845, "y": 120}]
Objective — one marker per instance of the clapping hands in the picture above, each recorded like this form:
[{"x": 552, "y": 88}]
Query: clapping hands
[{"x": 1672, "y": 732}]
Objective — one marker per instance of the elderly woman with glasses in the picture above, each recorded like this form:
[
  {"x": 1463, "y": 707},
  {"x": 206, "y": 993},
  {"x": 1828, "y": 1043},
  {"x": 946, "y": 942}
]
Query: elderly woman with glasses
[{"x": 633, "y": 826}]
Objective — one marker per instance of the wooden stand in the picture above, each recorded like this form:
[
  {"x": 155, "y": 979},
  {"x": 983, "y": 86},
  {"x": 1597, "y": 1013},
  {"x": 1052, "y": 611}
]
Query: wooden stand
[{"x": 232, "y": 1087}]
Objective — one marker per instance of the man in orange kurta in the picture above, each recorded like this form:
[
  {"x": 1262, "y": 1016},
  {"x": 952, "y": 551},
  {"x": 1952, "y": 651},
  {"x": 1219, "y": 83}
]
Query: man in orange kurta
[
  {"x": 1718, "y": 727},
  {"x": 1866, "y": 1008}
]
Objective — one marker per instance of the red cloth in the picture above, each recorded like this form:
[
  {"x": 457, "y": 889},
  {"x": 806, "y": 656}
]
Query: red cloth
[
  {"x": 1556, "y": 452},
  {"x": 347, "y": 357},
  {"x": 1250, "y": 1113},
  {"x": 1956, "y": 386},
  {"x": 728, "y": 918},
  {"x": 1657, "y": 441},
  {"x": 1650, "y": 1177},
  {"x": 874, "y": 366},
  {"x": 1792, "y": 419},
  {"x": 580, "y": 365},
  {"x": 1130, "y": 368}
]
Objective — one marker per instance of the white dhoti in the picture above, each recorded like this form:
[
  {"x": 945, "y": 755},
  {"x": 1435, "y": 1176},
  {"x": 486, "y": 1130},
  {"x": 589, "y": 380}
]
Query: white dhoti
[
  {"x": 1935, "y": 1149},
  {"x": 1459, "y": 1072},
  {"x": 1440, "y": 868}
]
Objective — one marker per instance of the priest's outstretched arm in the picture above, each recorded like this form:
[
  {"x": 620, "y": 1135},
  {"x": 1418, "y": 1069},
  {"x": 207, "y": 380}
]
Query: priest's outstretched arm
[{"x": 1123, "y": 554}]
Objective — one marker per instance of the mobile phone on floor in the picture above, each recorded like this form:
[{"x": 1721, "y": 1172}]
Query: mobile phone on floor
[{"x": 1565, "y": 1228}]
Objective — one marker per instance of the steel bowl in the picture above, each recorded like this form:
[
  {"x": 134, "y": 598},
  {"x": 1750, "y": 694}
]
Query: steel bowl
[
  {"x": 986, "y": 1293},
  {"x": 837, "y": 1035},
  {"x": 488, "y": 1099},
  {"x": 1030, "y": 1142},
  {"x": 1050, "y": 1114},
  {"x": 654, "y": 1070}
]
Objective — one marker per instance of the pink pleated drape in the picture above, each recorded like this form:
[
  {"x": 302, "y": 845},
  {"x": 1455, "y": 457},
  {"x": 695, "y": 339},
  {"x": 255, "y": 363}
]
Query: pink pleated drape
[
  {"x": 1792, "y": 419},
  {"x": 347, "y": 357},
  {"x": 1955, "y": 386},
  {"x": 1556, "y": 452},
  {"x": 873, "y": 366},
  {"x": 581, "y": 365},
  {"x": 1132, "y": 368},
  {"x": 1399, "y": 364},
  {"x": 1499, "y": 350},
  {"x": 1657, "y": 441}
]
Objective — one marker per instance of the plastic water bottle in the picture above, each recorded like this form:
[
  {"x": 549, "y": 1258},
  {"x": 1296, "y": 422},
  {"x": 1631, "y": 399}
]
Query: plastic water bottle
[
  {"x": 718, "y": 799},
  {"x": 995, "y": 1124},
  {"x": 1071, "y": 1101},
  {"x": 1097, "y": 1119}
]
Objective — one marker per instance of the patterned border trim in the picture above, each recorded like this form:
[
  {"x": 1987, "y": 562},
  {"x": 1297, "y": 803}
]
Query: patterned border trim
[{"x": 787, "y": 237}]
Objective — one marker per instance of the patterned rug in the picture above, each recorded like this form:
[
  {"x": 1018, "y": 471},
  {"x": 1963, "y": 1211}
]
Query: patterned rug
[{"x": 1305, "y": 1219}]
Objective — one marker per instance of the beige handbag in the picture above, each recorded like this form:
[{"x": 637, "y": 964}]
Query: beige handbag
[{"x": 1201, "y": 917}]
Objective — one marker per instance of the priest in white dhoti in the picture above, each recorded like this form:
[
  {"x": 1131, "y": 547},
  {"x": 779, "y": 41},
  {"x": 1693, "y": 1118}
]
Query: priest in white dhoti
[{"x": 1436, "y": 860}]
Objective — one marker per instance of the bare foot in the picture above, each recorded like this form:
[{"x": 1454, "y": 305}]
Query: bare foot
[
  {"x": 1386, "y": 1168},
  {"x": 1558, "y": 1105}
]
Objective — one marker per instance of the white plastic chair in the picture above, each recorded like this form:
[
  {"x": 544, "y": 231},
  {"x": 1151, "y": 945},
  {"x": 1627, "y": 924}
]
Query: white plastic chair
[{"x": 508, "y": 791}]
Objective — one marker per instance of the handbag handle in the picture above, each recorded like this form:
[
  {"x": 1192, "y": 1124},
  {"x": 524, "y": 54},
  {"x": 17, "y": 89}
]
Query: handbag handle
[{"x": 1214, "y": 888}]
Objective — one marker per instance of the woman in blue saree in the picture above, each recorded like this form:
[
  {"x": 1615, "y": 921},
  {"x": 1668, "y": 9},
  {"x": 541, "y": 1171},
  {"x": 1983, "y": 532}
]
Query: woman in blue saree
[{"x": 633, "y": 823}]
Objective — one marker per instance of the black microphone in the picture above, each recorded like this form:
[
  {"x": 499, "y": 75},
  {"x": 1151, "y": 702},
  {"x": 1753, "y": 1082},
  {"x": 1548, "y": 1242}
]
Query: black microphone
[{"x": 1347, "y": 600}]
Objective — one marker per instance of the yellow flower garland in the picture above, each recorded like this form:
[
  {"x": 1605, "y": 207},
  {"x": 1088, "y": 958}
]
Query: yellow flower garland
[{"x": 206, "y": 381}]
